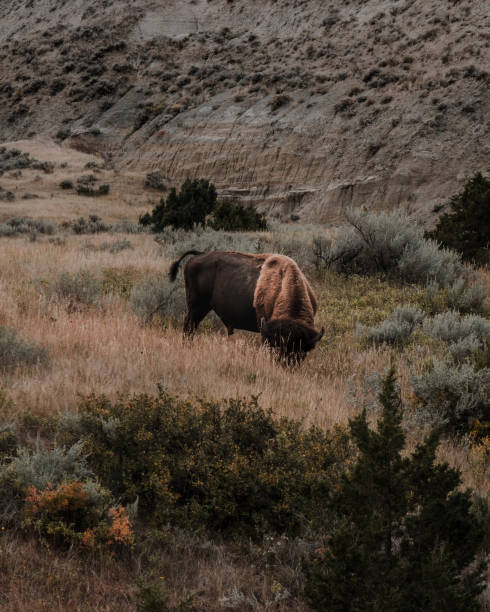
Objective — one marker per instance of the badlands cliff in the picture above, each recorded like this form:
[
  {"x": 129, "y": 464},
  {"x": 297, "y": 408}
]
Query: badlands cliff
[{"x": 303, "y": 107}]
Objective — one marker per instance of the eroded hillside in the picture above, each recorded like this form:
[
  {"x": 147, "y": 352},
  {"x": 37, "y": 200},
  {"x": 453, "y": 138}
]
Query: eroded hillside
[{"x": 303, "y": 107}]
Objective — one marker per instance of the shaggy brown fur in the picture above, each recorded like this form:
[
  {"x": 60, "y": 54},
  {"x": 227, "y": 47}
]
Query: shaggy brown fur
[
  {"x": 286, "y": 307},
  {"x": 282, "y": 291},
  {"x": 259, "y": 293}
]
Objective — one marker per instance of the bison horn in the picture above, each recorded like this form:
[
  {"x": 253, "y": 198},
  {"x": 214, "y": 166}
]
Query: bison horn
[{"x": 320, "y": 335}]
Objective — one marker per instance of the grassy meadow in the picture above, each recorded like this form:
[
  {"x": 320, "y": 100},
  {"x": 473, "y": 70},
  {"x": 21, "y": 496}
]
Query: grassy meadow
[
  {"x": 105, "y": 346},
  {"x": 72, "y": 296}
]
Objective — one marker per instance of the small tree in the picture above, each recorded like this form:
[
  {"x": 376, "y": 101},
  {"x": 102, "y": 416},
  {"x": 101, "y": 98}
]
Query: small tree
[
  {"x": 404, "y": 538},
  {"x": 467, "y": 227},
  {"x": 231, "y": 217},
  {"x": 196, "y": 200}
]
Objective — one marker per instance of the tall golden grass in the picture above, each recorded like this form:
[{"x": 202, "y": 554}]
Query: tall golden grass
[{"x": 107, "y": 350}]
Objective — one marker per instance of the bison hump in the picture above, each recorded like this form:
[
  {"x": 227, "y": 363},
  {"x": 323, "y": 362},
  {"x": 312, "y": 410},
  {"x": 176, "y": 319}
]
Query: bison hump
[{"x": 282, "y": 291}]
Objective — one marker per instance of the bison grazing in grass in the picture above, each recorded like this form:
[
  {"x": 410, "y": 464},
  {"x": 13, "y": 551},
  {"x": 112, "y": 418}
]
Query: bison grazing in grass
[{"x": 259, "y": 293}]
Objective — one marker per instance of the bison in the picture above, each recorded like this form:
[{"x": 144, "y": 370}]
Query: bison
[{"x": 264, "y": 293}]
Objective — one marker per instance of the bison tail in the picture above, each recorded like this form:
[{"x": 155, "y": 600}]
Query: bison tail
[{"x": 174, "y": 268}]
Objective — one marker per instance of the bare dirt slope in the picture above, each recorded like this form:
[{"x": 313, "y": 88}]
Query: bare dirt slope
[{"x": 303, "y": 107}]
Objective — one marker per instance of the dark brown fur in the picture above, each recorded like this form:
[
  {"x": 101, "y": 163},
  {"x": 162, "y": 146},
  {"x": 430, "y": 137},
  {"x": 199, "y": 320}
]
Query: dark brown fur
[{"x": 259, "y": 293}]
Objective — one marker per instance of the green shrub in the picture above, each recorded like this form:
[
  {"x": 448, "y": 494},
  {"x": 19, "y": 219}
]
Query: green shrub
[
  {"x": 76, "y": 513},
  {"x": 40, "y": 467},
  {"x": 451, "y": 327},
  {"x": 15, "y": 351},
  {"x": 392, "y": 244},
  {"x": 466, "y": 228},
  {"x": 8, "y": 426},
  {"x": 37, "y": 468},
  {"x": 397, "y": 328},
  {"x": 126, "y": 226},
  {"x": 465, "y": 349},
  {"x": 464, "y": 295},
  {"x": 92, "y": 225},
  {"x": 25, "y": 225},
  {"x": 14, "y": 159},
  {"x": 403, "y": 536},
  {"x": 157, "y": 296},
  {"x": 230, "y": 217},
  {"x": 85, "y": 190},
  {"x": 469, "y": 332},
  {"x": 152, "y": 596},
  {"x": 190, "y": 207},
  {"x": 114, "y": 247},
  {"x": 196, "y": 205},
  {"x": 7, "y": 196},
  {"x": 66, "y": 184},
  {"x": 482, "y": 357},
  {"x": 51, "y": 493},
  {"x": 454, "y": 395},
  {"x": 63, "y": 134},
  {"x": 82, "y": 287},
  {"x": 299, "y": 243},
  {"x": 230, "y": 467},
  {"x": 119, "y": 281},
  {"x": 156, "y": 180}
]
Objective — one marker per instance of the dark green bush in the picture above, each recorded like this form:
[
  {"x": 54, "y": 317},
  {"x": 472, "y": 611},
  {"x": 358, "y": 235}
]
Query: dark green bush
[
  {"x": 231, "y": 217},
  {"x": 230, "y": 467},
  {"x": 190, "y": 207},
  {"x": 85, "y": 190},
  {"x": 403, "y": 536},
  {"x": 195, "y": 203},
  {"x": 466, "y": 228}
]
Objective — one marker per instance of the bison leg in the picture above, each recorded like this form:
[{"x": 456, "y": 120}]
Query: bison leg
[{"x": 193, "y": 318}]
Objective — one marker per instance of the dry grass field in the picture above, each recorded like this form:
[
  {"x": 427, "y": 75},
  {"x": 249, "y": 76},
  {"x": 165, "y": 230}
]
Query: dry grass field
[
  {"x": 103, "y": 347},
  {"x": 106, "y": 348}
]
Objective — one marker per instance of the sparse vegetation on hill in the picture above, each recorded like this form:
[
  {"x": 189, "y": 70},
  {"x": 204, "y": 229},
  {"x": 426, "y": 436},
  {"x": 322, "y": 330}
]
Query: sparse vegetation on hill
[
  {"x": 13, "y": 159},
  {"x": 239, "y": 93}
]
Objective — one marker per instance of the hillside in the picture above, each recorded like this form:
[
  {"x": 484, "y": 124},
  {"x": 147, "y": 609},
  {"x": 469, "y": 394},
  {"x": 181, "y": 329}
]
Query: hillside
[{"x": 303, "y": 107}]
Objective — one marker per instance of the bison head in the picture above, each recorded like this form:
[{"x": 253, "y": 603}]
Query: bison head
[{"x": 290, "y": 338}]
